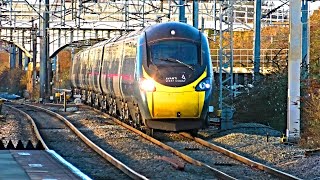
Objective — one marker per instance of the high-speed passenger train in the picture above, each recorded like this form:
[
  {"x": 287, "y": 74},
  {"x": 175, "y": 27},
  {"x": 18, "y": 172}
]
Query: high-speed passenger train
[{"x": 159, "y": 77}]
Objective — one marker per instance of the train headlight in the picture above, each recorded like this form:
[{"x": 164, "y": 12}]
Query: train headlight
[
  {"x": 148, "y": 85},
  {"x": 204, "y": 85}
]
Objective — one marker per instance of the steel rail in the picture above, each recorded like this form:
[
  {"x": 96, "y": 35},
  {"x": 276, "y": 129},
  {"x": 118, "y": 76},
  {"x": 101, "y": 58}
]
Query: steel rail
[
  {"x": 240, "y": 158},
  {"x": 35, "y": 128},
  {"x": 219, "y": 174},
  {"x": 51, "y": 152},
  {"x": 127, "y": 170}
]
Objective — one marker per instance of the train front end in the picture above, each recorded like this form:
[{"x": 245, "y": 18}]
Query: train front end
[{"x": 175, "y": 77}]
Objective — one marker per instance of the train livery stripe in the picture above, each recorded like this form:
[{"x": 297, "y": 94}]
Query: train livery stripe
[{"x": 172, "y": 102}]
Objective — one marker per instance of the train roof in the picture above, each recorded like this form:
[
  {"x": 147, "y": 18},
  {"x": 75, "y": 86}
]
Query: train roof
[
  {"x": 116, "y": 38},
  {"x": 156, "y": 28},
  {"x": 172, "y": 29}
]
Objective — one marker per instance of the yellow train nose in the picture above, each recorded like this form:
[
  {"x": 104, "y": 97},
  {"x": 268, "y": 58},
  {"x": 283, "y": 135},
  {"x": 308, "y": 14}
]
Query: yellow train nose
[{"x": 177, "y": 105}]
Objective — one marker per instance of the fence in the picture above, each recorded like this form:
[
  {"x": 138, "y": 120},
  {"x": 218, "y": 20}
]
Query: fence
[{"x": 243, "y": 58}]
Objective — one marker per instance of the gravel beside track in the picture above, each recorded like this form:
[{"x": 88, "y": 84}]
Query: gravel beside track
[
  {"x": 213, "y": 158},
  {"x": 250, "y": 140},
  {"x": 133, "y": 150},
  {"x": 16, "y": 127},
  {"x": 60, "y": 138}
]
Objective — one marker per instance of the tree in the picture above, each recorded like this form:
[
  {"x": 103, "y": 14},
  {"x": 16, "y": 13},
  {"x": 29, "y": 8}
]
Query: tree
[
  {"x": 310, "y": 100},
  {"x": 64, "y": 70},
  {"x": 13, "y": 81},
  {"x": 4, "y": 60}
]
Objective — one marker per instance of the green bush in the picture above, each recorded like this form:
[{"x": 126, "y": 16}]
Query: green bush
[{"x": 265, "y": 103}]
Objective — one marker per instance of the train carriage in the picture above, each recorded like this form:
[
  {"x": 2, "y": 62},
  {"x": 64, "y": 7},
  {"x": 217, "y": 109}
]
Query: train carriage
[{"x": 159, "y": 77}]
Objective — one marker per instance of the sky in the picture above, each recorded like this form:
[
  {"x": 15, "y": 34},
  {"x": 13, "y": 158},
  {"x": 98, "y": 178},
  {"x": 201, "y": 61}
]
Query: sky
[{"x": 313, "y": 5}]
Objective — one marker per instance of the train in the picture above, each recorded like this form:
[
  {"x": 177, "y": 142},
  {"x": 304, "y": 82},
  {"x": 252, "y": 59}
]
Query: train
[{"x": 159, "y": 77}]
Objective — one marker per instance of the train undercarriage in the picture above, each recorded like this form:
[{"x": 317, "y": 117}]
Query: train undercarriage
[{"x": 127, "y": 112}]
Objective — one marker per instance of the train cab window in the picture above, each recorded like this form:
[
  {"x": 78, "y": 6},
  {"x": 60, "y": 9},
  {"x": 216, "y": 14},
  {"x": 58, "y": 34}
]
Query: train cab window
[{"x": 174, "y": 52}]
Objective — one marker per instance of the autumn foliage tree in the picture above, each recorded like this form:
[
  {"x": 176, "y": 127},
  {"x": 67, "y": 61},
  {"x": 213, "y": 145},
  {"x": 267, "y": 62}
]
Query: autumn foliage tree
[
  {"x": 63, "y": 73},
  {"x": 4, "y": 61},
  {"x": 13, "y": 81},
  {"x": 310, "y": 101}
]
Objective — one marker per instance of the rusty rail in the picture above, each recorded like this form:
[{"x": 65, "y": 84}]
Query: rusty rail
[
  {"x": 217, "y": 173},
  {"x": 240, "y": 158},
  {"x": 127, "y": 170}
]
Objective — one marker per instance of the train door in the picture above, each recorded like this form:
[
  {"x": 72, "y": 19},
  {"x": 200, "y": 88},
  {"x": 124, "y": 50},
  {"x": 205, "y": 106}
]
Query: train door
[
  {"x": 90, "y": 70},
  {"x": 96, "y": 69},
  {"x": 82, "y": 76},
  {"x": 105, "y": 73},
  {"x": 87, "y": 69},
  {"x": 128, "y": 66},
  {"x": 116, "y": 67}
]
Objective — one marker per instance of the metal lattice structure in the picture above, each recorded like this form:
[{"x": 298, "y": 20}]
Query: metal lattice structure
[
  {"x": 226, "y": 90},
  {"x": 81, "y": 23}
]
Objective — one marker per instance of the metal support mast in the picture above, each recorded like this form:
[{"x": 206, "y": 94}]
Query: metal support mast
[
  {"x": 12, "y": 46},
  {"x": 44, "y": 54},
  {"x": 182, "y": 11},
  {"x": 305, "y": 39},
  {"x": 195, "y": 14},
  {"x": 13, "y": 56},
  {"x": 257, "y": 35},
  {"x": 294, "y": 61},
  {"x": 226, "y": 91},
  {"x": 126, "y": 14},
  {"x": 34, "y": 53}
]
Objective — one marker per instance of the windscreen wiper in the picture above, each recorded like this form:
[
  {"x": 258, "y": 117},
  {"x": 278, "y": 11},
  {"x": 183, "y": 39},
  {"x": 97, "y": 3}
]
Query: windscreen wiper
[
  {"x": 177, "y": 61},
  {"x": 157, "y": 69}
]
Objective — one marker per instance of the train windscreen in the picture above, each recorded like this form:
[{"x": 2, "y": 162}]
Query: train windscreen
[{"x": 174, "y": 53}]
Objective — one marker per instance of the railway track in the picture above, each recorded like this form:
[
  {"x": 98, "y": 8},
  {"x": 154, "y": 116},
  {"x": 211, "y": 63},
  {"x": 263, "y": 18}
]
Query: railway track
[
  {"x": 247, "y": 161},
  {"x": 16, "y": 126},
  {"x": 232, "y": 167},
  {"x": 135, "y": 151},
  {"x": 214, "y": 157},
  {"x": 57, "y": 134}
]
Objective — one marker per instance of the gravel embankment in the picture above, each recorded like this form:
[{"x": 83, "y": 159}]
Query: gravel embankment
[
  {"x": 264, "y": 145},
  {"x": 133, "y": 150},
  {"x": 15, "y": 127},
  {"x": 256, "y": 141}
]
